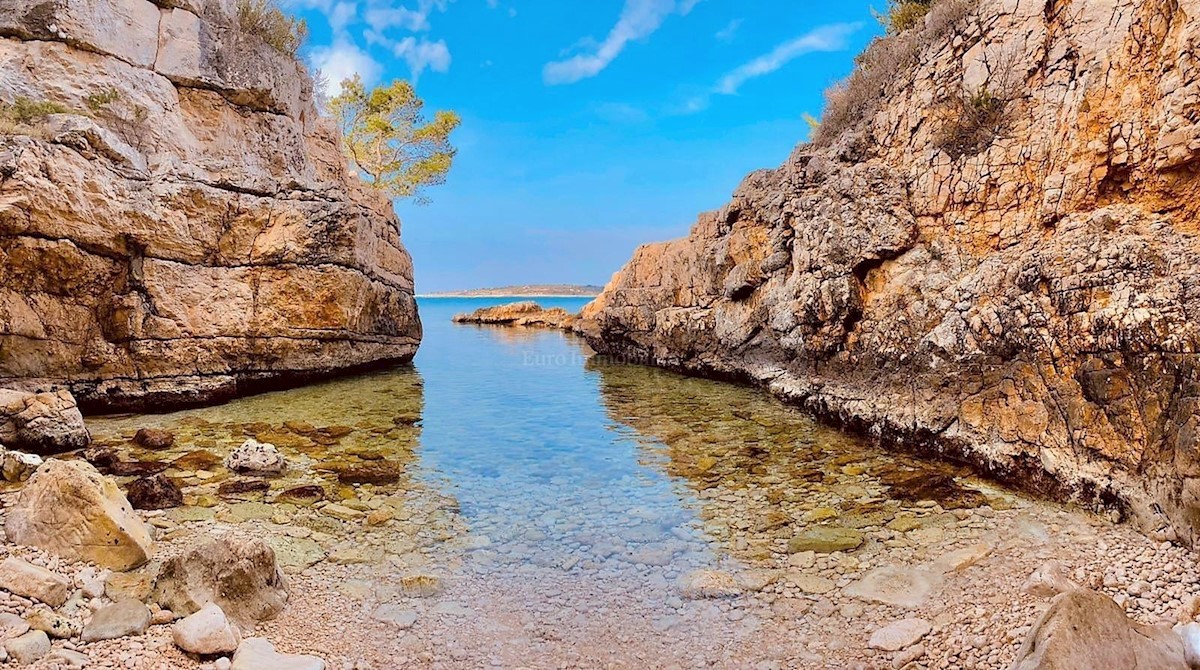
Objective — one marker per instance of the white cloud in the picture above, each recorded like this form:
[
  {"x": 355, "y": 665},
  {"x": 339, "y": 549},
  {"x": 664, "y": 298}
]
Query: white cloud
[
  {"x": 729, "y": 31},
  {"x": 341, "y": 15},
  {"x": 826, "y": 38},
  {"x": 382, "y": 15},
  {"x": 639, "y": 19},
  {"x": 421, "y": 54},
  {"x": 342, "y": 60}
]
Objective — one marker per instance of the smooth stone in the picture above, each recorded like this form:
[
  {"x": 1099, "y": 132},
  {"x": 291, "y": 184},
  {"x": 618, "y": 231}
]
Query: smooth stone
[
  {"x": 296, "y": 553},
  {"x": 256, "y": 457},
  {"x": 895, "y": 585},
  {"x": 397, "y": 615},
  {"x": 256, "y": 653},
  {"x": 127, "y": 617},
  {"x": 154, "y": 438},
  {"x": 69, "y": 658},
  {"x": 814, "y": 584},
  {"x": 206, "y": 632},
  {"x": 825, "y": 540},
  {"x": 900, "y": 635},
  {"x": 12, "y": 626},
  {"x": 28, "y": 648},
  {"x": 1050, "y": 579},
  {"x": 33, "y": 581},
  {"x": 961, "y": 559}
]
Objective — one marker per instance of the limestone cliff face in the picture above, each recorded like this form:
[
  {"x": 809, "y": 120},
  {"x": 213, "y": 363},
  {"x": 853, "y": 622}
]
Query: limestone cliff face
[
  {"x": 1030, "y": 307},
  {"x": 190, "y": 230}
]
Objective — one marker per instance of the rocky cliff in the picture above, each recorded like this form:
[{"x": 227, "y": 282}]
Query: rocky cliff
[
  {"x": 177, "y": 224},
  {"x": 990, "y": 255}
]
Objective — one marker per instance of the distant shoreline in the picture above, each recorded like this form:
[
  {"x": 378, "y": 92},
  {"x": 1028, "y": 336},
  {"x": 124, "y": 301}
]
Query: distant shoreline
[
  {"x": 498, "y": 295},
  {"x": 523, "y": 291}
]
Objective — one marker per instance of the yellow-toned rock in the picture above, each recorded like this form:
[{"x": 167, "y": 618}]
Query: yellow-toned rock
[{"x": 69, "y": 508}]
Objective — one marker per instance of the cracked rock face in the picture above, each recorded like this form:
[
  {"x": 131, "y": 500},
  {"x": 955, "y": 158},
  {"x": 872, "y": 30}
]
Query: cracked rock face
[
  {"x": 189, "y": 231},
  {"x": 1030, "y": 308}
]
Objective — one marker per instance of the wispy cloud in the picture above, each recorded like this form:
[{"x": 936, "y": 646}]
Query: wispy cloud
[
  {"x": 421, "y": 54},
  {"x": 639, "y": 19},
  {"x": 342, "y": 60},
  {"x": 729, "y": 31},
  {"x": 833, "y": 37}
]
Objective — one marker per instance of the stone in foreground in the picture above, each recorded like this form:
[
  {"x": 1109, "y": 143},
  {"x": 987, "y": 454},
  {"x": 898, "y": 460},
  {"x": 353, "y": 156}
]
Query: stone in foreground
[
  {"x": 33, "y": 581},
  {"x": 206, "y": 632},
  {"x": 257, "y": 653},
  {"x": 69, "y": 508},
  {"x": 899, "y": 635},
  {"x": 1085, "y": 629},
  {"x": 127, "y": 617},
  {"x": 241, "y": 577},
  {"x": 28, "y": 648},
  {"x": 44, "y": 423}
]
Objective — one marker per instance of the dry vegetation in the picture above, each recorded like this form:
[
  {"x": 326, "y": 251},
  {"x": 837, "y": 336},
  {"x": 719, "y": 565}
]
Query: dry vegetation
[
  {"x": 25, "y": 116},
  {"x": 912, "y": 26},
  {"x": 279, "y": 30}
]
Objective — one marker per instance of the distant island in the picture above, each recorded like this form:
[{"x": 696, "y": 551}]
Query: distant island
[{"x": 525, "y": 290}]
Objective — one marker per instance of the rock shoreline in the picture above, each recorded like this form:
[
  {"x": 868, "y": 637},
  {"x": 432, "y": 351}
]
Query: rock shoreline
[{"x": 1001, "y": 307}]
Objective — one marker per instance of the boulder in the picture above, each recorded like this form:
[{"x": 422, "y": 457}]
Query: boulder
[
  {"x": 256, "y": 653},
  {"x": 16, "y": 466},
  {"x": 256, "y": 457},
  {"x": 52, "y": 623},
  {"x": 33, "y": 581},
  {"x": 241, "y": 577},
  {"x": 154, "y": 492},
  {"x": 69, "y": 508},
  {"x": 206, "y": 632},
  {"x": 125, "y": 617},
  {"x": 154, "y": 438},
  {"x": 43, "y": 423},
  {"x": 1084, "y": 629},
  {"x": 28, "y": 648}
]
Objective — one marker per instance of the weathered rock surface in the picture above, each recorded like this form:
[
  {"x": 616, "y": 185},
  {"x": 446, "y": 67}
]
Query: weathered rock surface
[
  {"x": 196, "y": 236},
  {"x": 125, "y": 617},
  {"x": 255, "y": 653},
  {"x": 899, "y": 635},
  {"x": 256, "y": 457},
  {"x": 69, "y": 508},
  {"x": 527, "y": 313},
  {"x": 38, "y": 422},
  {"x": 1030, "y": 307},
  {"x": 16, "y": 466},
  {"x": 33, "y": 581},
  {"x": 154, "y": 492},
  {"x": 27, "y": 648},
  {"x": 240, "y": 577},
  {"x": 1085, "y": 629}
]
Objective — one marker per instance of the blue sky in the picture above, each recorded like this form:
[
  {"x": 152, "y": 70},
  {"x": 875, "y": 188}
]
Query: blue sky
[{"x": 589, "y": 126}]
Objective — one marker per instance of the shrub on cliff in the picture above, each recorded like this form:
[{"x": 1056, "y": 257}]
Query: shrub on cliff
[
  {"x": 26, "y": 116},
  {"x": 881, "y": 69},
  {"x": 280, "y": 31},
  {"x": 386, "y": 136}
]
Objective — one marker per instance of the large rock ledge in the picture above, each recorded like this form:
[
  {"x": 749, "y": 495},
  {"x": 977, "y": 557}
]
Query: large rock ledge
[
  {"x": 1031, "y": 309},
  {"x": 189, "y": 231}
]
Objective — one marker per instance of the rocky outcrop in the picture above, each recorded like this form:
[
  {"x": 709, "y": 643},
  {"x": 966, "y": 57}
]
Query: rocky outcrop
[
  {"x": 1085, "y": 629},
  {"x": 189, "y": 230},
  {"x": 527, "y": 313},
  {"x": 41, "y": 422},
  {"x": 1027, "y": 304},
  {"x": 70, "y": 509}
]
